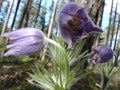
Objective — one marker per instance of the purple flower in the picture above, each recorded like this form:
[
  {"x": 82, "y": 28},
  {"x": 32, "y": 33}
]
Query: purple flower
[
  {"x": 74, "y": 23},
  {"x": 101, "y": 54},
  {"x": 25, "y": 41}
]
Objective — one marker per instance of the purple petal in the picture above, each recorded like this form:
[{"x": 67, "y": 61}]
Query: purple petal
[
  {"x": 106, "y": 52},
  {"x": 71, "y": 9},
  {"x": 82, "y": 14},
  {"x": 25, "y": 41},
  {"x": 97, "y": 30},
  {"x": 25, "y": 50},
  {"x": 63, "y": 19},
  {"x": 101, "y": 54},
  {"x": 91, "y": 28},
  {"x": 66, "y": 36},
  {"x": 75, "y": 23},
  {"x": 24, "y": 33}
]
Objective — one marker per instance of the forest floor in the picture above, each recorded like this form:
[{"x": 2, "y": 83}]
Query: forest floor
[{"x": 14, "y": 77}]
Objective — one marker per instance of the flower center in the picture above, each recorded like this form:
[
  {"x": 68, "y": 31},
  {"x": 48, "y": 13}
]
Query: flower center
[{"x": 74, "y": 23}]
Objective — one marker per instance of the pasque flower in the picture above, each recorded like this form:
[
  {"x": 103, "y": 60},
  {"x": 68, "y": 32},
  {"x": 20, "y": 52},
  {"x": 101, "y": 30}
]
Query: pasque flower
[
  {"x": 25, "y": 41},
  {"x": 101, "y": 54},
  {"x": 74, "y": 23}
]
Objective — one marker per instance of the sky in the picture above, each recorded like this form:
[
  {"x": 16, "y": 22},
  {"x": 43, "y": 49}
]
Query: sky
[{"x": 107, "y": 9}]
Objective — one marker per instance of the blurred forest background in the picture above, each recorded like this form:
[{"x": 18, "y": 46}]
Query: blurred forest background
[{"x": 42, "y": 14}]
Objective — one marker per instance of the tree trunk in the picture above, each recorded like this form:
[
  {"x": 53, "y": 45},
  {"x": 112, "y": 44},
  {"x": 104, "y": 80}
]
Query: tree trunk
[
  {"x": 27, "y": 13},
  {"x": 52, "y": 17},
  {"x": 18, "y": 3},
  {"x": 42, "y": 17},
  {"x": 23, "y": 15},
  {"x": 39, "y": 6},
  {"x": 7, "y": 18},
  {"x": 1, "y": 4},
  {"x": 114, "y": 21},
  {"x": 116, "y": 36},
  {"x": 102, "y": 11},
  {"x": 110, "y": 19}
]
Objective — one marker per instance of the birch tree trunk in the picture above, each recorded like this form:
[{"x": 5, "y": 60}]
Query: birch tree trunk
[
  {"x": 116, "y": 35},
  {"x": 49, "y": 28},
  {"x": 52, "y": 17}
]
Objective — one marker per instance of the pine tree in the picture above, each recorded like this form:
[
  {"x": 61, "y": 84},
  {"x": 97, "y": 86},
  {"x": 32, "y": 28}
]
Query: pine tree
[
  {"x": 110, "y": 21},
  {"x": 7, "y": 18},
  {"x": 114, "y": 21},
  {"x": 14, "y": 17},
  {"x": 39, "y": 7}
]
